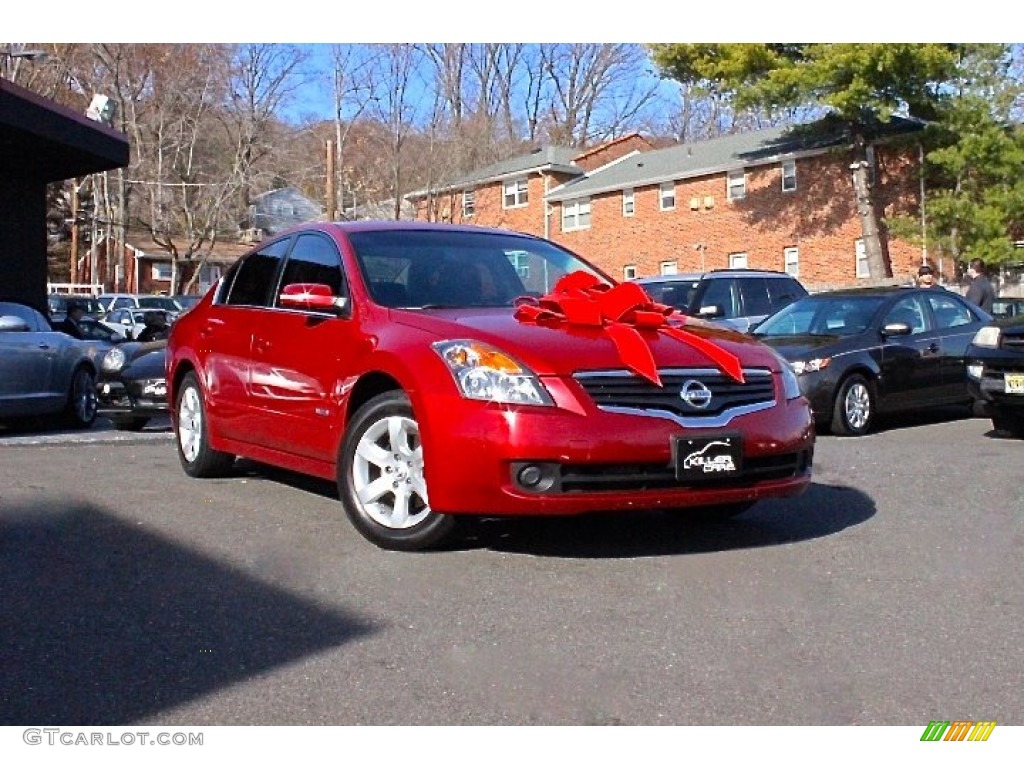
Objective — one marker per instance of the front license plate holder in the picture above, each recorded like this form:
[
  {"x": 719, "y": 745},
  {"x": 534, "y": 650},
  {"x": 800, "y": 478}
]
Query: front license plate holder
[
  {"x": 1013, "y": 383},
  {"x": 708, "y": 458}
]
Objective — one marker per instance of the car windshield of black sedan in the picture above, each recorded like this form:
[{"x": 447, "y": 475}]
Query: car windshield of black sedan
[
  {"x": 442, "y": 269},
  {"x": 823, "y": 315}
]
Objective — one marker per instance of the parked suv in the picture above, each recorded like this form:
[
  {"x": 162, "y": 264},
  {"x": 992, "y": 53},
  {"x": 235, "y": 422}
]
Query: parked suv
[
  {"x": 995, "y": 373},
  {"x": 740, "y": 298}
]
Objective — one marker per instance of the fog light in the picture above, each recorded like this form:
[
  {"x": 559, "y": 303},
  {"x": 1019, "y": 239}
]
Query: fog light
[
  {"x": 535, "y": 477},
  {"x": 975, "y": 371},
  {"x": 530, "y": 475}
]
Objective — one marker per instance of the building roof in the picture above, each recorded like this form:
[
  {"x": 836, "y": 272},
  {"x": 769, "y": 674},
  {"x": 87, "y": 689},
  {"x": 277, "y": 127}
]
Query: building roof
[
  {"x": 557, "y": 159},
  {"x": 703, "y": 158}
]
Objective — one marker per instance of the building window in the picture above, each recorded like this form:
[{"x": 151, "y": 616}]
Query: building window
[
  {"x": 669, "y": 268},
  {"x": 468, "y": 203},
  {"x": 161, "y": 271},
  {"x": 788, "y": 175},
  {"x": 791, "y": 261},
  {"x": 862, "y": 259},
  {"x": 514, "y": 193},
  {"x": 737, "y": 261},
  {"x": 736, "y": 185},
  {"x": 629, "y": 272},
  {"x": 628, "y": 202},
  {"x": 575, "y": 215},
  {"x": 667, "y": 196}
]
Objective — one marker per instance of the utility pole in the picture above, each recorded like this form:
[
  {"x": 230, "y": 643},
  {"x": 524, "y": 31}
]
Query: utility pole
[
  {"x": 74, "y": 232},
  {"x": 331, "y": 179}
]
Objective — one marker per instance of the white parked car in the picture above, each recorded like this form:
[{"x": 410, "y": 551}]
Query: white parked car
[
  {"x": 129, "y": 322},
  {"x": 112, "y": 301}
]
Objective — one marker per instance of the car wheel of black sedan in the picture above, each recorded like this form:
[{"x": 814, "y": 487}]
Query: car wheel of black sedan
[
  {"x": 130, "y": 424},
  {"x": 854, "y": 408},
  {"x": 1012, "y": 424},
  {"x": 198, "y": 459},
  {"x": 380, "y": 478},
  {"x": 82, "y": 402}
]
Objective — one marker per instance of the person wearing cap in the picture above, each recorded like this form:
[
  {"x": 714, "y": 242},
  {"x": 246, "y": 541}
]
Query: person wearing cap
[{"x": 69, "y": 324}]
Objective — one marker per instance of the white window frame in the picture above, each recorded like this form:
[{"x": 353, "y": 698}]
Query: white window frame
[
  {"x": 161, "y": 271},
  {"x": 789, "y": 174},
  {"x": 791, "y": 261},
  {"x": 667, "y": 196},
  {"x": 736, "y": 184},
  {"x": 576, "y": 214},
  {"x": 517, "y": 190},
  {"x": 738, "y": 260},
  {"x": 628, "y": 202},
  {"x": 668, "y": 268},
  {"x": 861, "y": 259},
  {"x": 629, "y": 272},
  {"x": 468, "y": 203}
]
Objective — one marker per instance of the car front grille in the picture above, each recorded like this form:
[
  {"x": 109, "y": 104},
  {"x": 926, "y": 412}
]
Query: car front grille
[
  {"x": 625, "y": 392},
  {"x": 1014, "y": 343}
]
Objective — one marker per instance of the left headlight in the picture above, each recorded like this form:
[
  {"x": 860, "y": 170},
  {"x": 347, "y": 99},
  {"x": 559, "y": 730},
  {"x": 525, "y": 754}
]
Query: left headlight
[
  {"x": 483, "y": 372},
  {"x": 114, "y": 360}
]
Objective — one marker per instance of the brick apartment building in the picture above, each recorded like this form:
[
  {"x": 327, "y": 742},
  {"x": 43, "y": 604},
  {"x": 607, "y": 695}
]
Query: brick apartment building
[{"x": 773, "y": 199}]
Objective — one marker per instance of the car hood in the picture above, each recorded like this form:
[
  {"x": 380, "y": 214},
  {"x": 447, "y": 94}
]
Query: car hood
[
  {"x": 562, "y": 349},
  {"x": 804, "y": 347}
]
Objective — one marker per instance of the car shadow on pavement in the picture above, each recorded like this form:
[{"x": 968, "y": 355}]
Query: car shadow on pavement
[
  {"x": 103, "y": 623},
  {"x": 821, "y": 511}
]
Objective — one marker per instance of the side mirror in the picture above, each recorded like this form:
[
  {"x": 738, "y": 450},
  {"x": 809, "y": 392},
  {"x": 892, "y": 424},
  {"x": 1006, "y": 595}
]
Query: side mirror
[
  {"x": 315, "y": 296},
  {"x": 12, "y": 323},
  {"x": 896, "y": 329},
  {"x": 710, "y": 310}
]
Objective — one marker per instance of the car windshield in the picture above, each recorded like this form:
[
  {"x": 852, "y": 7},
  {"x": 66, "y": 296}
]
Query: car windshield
[
  {"x": 158, "y": 302},
  {"x": 675, "y": 293},
  {"x": 822, "y": 315},
  {"x": 427, "y": 269}
]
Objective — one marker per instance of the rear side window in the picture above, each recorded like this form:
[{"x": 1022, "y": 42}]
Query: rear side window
[
  {"x": 754, "y": 293},
  {"x": 253, "y": 279}
]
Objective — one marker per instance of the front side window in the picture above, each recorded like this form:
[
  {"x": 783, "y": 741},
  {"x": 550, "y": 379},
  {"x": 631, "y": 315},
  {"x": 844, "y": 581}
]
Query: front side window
[
  {"x": 788, "y": 175},
  {"x": 628, "y": 202},
  {"x": 949, "y": 312},
  {"x": 754, "y": 295},
  {"x": 314, "y": 259},
  {"x": 907, "y": 310},
  {"x": 667, "y": 196},
  {"x": 736, "y": 185},
  {"x": 575, "y": 215},
  {"x": 251, "y": 281},
  {"x": 515, "y": 193}
]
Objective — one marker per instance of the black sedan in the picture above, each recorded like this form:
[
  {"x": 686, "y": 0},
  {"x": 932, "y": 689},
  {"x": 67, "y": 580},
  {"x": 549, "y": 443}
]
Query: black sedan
[
  {"x": 131, "y": 388},
  {"x": 995, "y": 369},
  {"x": 862, "y": 352}
]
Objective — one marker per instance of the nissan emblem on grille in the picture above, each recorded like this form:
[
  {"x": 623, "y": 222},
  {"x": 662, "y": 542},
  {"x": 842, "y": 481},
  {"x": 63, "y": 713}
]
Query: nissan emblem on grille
[{"x": 695, "y": 394}]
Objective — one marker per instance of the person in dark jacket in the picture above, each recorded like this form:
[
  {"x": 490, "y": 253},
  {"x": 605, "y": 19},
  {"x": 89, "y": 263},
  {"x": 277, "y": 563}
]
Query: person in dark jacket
[
  {"x": 980, "y": 291},
  {"x": 69, "y": 324},
  {"x": 156, "y": 327}
]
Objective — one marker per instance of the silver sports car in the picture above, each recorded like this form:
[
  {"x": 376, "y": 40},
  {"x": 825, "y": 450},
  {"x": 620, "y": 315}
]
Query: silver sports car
[{"x": 43, "y": 371}]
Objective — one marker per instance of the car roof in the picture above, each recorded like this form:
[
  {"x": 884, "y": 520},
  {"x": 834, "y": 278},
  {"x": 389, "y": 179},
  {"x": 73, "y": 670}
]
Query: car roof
[{"x": 716, "y": 273}]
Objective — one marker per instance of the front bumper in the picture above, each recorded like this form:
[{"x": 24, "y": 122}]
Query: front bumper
[
  {"x": 596, "y": 460},
  {"x": 133, "y": 397},
  {"x": 987, "y": 381}
]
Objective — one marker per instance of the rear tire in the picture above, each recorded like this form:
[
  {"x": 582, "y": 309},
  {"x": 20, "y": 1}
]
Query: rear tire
[
  {"x": 854, "y": 409},
  {"x": 380, "y": 478},
  {"x": 80, "y": 411},
  {"x": 192, "y": 433},
  {"x": 1012, "y": 424},
  {"x": 131, "y": 424}
]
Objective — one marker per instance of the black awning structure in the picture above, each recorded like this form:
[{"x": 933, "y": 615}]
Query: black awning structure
[{"x": 41, "y": 141}]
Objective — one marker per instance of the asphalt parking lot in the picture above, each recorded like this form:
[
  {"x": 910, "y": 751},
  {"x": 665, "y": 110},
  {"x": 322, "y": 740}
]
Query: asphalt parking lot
[{"x": 889, "y": 594}]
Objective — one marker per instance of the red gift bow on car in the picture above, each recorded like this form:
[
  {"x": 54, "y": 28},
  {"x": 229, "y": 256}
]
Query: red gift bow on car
[{"x": 581, "y": 299}]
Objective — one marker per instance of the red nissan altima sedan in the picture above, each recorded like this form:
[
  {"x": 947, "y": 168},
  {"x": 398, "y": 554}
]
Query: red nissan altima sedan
[{"x": 436, "y": 371}]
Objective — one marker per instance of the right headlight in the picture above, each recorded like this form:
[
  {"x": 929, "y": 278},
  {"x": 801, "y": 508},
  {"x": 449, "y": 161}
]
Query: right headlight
[
  {"x": 114, "y": 360},
  {"x": 987, "y": 337}
]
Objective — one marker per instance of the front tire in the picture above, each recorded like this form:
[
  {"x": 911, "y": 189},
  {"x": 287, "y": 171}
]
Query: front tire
[
  {"x": 192, "y": 431},
  {"x": 854, "y": 408},
  {"x": 80, "y": 411},
  {"x": 381, "y": 481},
  {"x": 1012, "y": 424}
]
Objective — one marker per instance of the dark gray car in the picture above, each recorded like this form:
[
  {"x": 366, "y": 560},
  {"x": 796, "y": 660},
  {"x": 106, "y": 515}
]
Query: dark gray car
[{"x": 44, "y": 372}]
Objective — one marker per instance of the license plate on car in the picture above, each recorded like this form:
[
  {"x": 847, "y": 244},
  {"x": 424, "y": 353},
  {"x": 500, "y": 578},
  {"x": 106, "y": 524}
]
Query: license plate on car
[
  {"x": 708, "y": 458},
  {"x": 1013, "y": 383}
]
